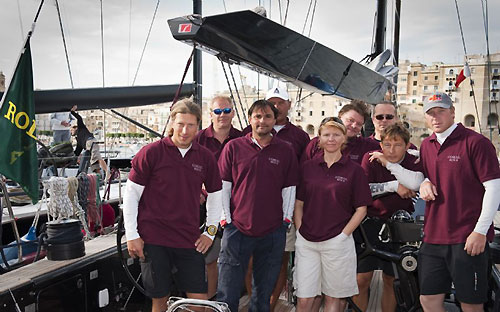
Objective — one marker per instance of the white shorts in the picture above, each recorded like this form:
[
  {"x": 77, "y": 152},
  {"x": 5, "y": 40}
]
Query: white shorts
[
  {"x": 327, "y": 267},
  {"x": 290, "y": 238}
]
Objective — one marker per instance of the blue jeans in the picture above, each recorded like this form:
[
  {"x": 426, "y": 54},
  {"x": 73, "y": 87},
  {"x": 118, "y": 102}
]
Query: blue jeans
[{"x": 236, "y": 250}]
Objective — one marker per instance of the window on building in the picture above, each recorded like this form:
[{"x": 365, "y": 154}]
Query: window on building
[
  {"x": 450, "y": 83},
  {"x": 495, "y": 71},
  {"x": 493, "y": 120},
  {"x": 298, "y": 113},
  {"x": 414, "y": 101},
  {"x": 403, "y": 79},
  {"x": 310, "y": 129},
  {"x": 451, "y": 72},
  {"x": 435, "y": 88},
  {"x": 436, "y": 77},
  {"x": 322, "y": 113},
  {"x": 414, "y": 83},
  {"x": 414, "y": 92},
  {"x": 472, "y": 70},
  {"x": 471, "y": 93},
  {"x": 415, "y": 73},
  {"x": 426, "y": 78},
  {"x": 425, "y": 88},
  {"x": 310, "y": 113}
]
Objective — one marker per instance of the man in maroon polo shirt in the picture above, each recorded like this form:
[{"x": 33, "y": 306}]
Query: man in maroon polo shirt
[
  {"x": 215, "y": 138},
  {"x": 462, "y": 193},
  {"x": 161, "y": 208},
  {"x": 353, "y": 116},
  {"x": 394, "y": 178},
  {"x": 299, "y": 139},
  {"x": 259, "y": 174}
]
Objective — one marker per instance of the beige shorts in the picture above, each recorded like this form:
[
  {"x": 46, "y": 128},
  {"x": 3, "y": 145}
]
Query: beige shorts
[
  {"x": 290, "y": 238},
  {"x": 327, "y": 267},
  {"x": 95, "y": 155}
]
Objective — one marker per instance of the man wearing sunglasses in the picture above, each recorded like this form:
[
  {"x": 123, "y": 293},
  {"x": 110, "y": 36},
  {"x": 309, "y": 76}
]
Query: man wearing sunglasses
[
  {"x": 384, "y": 115},
  {"x": 215, "y": 137}
]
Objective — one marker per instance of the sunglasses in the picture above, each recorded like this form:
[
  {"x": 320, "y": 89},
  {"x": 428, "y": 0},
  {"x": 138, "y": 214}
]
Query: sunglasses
[
  {"x": 219, "y": 111},
  {"x": 386, "y": 116}
]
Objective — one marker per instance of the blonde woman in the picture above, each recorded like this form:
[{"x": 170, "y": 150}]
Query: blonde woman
[{"x": 331, "y": 203}]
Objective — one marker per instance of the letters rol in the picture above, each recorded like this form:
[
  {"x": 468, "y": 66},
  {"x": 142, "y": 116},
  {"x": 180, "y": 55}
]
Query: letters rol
[{"x": 21, "y": 120}]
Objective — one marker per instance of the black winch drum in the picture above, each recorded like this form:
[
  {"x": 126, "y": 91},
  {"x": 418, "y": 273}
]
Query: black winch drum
[{"x": 64, "y": 240}]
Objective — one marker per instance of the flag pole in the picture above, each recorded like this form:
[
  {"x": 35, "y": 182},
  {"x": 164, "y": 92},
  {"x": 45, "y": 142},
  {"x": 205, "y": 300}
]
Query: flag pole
[{"x": 28, "y": 37}]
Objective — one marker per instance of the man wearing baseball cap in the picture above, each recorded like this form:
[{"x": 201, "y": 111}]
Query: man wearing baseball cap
[{"x": 461, "y": 190}]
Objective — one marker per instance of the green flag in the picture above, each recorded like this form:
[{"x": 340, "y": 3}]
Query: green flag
[{"x": 18, "y": 156}]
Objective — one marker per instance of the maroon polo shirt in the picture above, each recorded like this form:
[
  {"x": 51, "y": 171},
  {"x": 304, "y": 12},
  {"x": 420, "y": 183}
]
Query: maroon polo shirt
[
  {"x": 312, "y": 149},
  {"x": 258, "y": 177},
  {"x": 330, "y": 196},
  {"x": 355, "y": 148},
  {"x": 384, "y": 206},
  {"x": 169, "y": 208},
  {"x": 206, "y": 138},
  {"x": 457, "y": 169},
  {"x": 292, "y": 134}
]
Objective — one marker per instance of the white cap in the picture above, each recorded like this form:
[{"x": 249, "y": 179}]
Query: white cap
[{"x": 278, "y": 92}]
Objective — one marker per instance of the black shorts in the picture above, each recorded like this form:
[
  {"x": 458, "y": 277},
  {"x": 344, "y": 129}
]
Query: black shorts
[
  {"x": 371, "y": 263},
  {"x": 441, "y": 265},
  {"x": 164, "y": 264}
]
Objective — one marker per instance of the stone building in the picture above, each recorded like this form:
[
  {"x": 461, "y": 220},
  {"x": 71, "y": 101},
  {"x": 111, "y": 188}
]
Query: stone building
[{"x": 476, "y": 105}]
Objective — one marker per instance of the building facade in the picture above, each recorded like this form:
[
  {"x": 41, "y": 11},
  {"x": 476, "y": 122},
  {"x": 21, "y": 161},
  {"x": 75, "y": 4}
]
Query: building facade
[{"x": 476, "y": 98}]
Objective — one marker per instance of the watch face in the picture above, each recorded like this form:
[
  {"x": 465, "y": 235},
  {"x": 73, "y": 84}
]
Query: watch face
[{"x": 212, "y": 230}]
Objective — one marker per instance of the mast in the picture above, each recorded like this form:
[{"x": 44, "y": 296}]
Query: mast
[
  {"x": 379, "y": 44},
  {"x": 197, "y": 74},
  {"x": 395, "y": 48}
]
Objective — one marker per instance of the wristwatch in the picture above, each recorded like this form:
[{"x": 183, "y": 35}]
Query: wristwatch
[{"x": 212, "y": 230}]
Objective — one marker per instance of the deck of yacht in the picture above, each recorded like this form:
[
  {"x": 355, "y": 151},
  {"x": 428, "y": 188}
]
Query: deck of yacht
[{"x": 374, "y": 304}]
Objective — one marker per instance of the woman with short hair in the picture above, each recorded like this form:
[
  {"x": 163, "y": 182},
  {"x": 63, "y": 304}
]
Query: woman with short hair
[{"x": 331, "y": 203}]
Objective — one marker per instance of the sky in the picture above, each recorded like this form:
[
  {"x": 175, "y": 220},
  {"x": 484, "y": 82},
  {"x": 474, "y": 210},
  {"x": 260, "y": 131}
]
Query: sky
[{"x": 429, "y": 33}]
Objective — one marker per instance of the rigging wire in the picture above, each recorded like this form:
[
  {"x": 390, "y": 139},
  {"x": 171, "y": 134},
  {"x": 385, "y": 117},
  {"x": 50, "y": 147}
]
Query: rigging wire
[
  {"x": 64, "y": 44},
  {"x": 238, "y": 94},
  {"x": 102, "y": 46},
  {"x": 20, "y": 20},
  {"x": 224, "y": 3},
  {"x": 281, "y": 15},
  {"x": 232, "y": 97},
  {"x": 307, "y": 17},
  {"x": 178, "y": 92},
  {"x": 484, "y": 6},
  {"x": 470, "y": 80},
  {"x": 286, "y": 11},
  {"x": 129, "y": 40},
  {"x": 146, "y": 42},
  {"x": 243, "y": 89},
  {"x": 312, "y": 18}
]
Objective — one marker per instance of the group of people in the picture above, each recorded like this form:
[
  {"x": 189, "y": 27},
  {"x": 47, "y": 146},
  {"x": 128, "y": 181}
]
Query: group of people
[{"x": 273, "y": 191}]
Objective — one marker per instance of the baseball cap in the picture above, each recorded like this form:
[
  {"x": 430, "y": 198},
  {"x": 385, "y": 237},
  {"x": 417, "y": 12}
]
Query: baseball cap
[
  {"x": 278, "y": 92},
  {"x": 438, "y": 99}
]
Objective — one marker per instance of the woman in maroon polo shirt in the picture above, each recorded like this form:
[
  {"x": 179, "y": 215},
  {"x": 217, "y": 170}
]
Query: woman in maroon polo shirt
[{"x": 331, "y": 203}]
